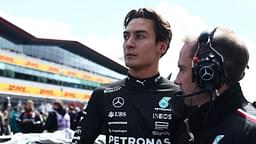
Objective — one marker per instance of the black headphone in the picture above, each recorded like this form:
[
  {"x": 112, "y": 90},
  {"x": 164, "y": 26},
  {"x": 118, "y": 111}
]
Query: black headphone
[{"x": 208, "y": 68}]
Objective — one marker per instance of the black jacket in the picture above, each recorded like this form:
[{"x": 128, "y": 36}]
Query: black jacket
[
  {"x": 30, "y": 122},
  {"x": 51, "y": 123},
  {"x": 226, "y": 120},
  {"x": 131, "y": 110}
]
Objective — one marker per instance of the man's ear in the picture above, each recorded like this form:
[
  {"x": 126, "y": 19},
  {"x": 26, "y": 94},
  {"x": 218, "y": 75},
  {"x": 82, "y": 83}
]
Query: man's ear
[{"x": 163, "y": 47}]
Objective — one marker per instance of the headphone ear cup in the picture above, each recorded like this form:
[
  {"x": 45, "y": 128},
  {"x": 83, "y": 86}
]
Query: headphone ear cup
[
  {"x": 208, "y": 74},
  {"x": 208, "y": 64}
]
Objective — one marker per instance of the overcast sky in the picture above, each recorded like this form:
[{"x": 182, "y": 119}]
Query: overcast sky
[{"x": 98, "y": 24}]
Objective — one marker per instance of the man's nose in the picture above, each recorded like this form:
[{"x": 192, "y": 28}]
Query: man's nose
[
  {"x": 130, "y": 43},
  {"x": 177, "y": 81}
]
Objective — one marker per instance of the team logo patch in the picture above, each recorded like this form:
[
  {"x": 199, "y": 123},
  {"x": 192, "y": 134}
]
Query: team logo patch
[
  {"x": 217, "y": 139},
  {"x": 118, "y": 102},
  {"x": 164, "y": 102},
  {"x": 206, "y": 73}
]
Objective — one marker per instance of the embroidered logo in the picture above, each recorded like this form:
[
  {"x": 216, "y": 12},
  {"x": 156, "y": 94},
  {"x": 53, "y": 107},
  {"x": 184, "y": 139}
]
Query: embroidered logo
[
  {"x": 164, "y": 102},
  {"x": 217, "y": 139},
  {"x": 118, "y": 102}
]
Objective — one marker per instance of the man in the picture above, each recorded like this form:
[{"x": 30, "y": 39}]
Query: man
[
  {"x": 14, "y": 114},
  {"x": 58, "y": 119},
  {"x": 30, "y": 121},
  {"x": 137, "y": 109},
  {"x": 219, "y": 113}
]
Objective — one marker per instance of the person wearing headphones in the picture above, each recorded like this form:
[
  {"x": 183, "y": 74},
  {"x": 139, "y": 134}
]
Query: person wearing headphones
[
  {"x": 137, "y": 109},
  {"x": 210, "y": 68}
]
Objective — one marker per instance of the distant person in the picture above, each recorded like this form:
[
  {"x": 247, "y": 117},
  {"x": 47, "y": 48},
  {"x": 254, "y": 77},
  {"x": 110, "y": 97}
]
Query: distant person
[
  {"x": 6, "y": 126},
  {"x": 73, "y": 114},
  {"x": 80, "y": 116},
  {"x": 5, "y": 112},
  {"x": 1, "y": 124},
  {"x": 13, "y": 116},
  {"x": 210, "y": 68},
  {"x": 58, "y": 119},
  {"x": 30, "y": 121},
  {"x": 137, "y": 109}
]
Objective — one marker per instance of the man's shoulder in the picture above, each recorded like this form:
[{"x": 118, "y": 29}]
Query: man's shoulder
[
  {"x": 116, "y": 83},
  {"x": 52, "y": 114},
  {"x": 111, "y": 86},
  {"x": 248, "y": 113},
  {"x": 247, "y": 123},
  {"x": 167, "y": 84}
]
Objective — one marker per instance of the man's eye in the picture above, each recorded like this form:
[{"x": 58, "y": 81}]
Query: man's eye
[
  {"x": 140, "y": 36},
  {"x": 126, "y": 37},
  {"x": 181, "y": 69}
]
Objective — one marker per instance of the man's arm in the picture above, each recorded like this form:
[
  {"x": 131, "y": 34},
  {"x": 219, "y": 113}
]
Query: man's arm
[{"x": 90, "y": 126}]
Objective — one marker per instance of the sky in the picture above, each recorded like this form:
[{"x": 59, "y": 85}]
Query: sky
[{"x": 98, "y": 24}]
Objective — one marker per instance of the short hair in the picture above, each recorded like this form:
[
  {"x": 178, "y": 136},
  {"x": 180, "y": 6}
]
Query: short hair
[
  {"x": 191, "y": 39},
  {"x": 233, "y": 50},
  {"x": 162, "y": 28},
  {"x": 58, "y": 103},
  {"x": 30, "y": 102}
]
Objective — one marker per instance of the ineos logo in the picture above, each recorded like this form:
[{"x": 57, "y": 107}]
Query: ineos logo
[
  {"x": 118, "y": 102},
  {"x": 206, "y": 73}
]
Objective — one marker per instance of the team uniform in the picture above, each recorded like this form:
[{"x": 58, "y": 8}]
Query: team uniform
[
  {"x": 227, "y": 120},
  {"x": 131, "y": 111},
  {"x": 30, "y": 122}
]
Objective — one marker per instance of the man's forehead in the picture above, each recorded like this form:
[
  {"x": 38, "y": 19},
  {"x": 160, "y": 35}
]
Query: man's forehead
[
  {"x": 185, "y": 58},
  {"x": 189, "y": 48},
  {"x": 139, "y": 24}
]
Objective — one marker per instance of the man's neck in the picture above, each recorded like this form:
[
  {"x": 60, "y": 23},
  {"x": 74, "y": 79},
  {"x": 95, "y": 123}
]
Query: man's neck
[{"x": 142, "y": 74}]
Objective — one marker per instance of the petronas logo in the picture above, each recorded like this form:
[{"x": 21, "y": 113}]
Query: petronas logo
[{"x": 164, "y": 102}]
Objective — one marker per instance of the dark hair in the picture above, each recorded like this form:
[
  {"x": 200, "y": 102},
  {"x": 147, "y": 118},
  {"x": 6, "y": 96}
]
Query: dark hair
[
  {"x": 58, "y": 103},
  {"x": 233, "y": 50},
  {"x": 162, "y": 27}
]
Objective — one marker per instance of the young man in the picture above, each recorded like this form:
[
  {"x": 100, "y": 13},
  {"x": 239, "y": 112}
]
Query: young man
[
  {"x": 137, "y": 109},
  {"x": 210, "y": 68},
  {"x": 30, "y": 121}
]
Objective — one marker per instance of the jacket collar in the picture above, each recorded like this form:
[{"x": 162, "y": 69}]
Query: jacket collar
[
  {"x": 145, "y": 83},
  {"x": 215, "y": 111}
]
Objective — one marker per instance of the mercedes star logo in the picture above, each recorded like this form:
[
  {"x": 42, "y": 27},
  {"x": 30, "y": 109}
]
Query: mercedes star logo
[
  {"x": 206, "y": 73},
  {"x": 118, "y": 102}
]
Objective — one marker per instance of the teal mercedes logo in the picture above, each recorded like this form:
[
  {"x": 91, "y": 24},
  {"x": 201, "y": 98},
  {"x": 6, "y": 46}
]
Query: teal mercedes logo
[{"x": 164, "y": 102}]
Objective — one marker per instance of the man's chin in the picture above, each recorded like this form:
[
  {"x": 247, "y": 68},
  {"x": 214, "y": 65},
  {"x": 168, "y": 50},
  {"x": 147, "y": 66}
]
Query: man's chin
[{"x": 132, "y": 65}]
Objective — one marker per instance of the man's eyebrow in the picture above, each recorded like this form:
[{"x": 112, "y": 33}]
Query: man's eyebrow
[
  {"x": 137, "y": 31},
  {"x": 125, "y": 32},
  {"x": 140, "y": 31}
]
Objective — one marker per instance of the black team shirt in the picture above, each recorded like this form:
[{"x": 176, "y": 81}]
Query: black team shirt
[{"x": 131, "y": 111}]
